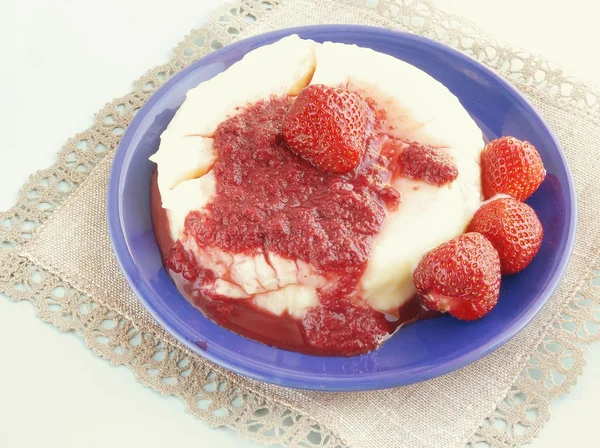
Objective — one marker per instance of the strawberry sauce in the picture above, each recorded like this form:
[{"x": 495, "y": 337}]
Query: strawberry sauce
[
  {"x": 269, "y": 199},
  {"x": 415, "y": 161}
]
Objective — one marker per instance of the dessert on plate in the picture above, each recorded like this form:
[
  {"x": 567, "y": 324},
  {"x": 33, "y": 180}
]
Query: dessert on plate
[{"x": 315, "y": 197}]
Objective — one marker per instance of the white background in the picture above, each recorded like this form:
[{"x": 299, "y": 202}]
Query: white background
[{"x": 62, "y": 60}]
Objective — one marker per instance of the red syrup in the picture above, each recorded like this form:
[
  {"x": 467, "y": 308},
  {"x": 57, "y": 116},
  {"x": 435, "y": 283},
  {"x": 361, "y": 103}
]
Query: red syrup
[{"x": 270, "y": 200}]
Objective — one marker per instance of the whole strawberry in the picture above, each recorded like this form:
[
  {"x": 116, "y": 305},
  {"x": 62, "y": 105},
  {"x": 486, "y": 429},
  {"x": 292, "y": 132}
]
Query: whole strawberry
[
  {"x": 460, "y": 277},
  {"x": 328, "y": 127},
  {"x": 514, "y": 230},
  {"x": 512, "y": 167}
]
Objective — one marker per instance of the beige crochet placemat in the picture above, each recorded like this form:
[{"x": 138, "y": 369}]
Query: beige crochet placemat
[{"x": 55, "y": 252}]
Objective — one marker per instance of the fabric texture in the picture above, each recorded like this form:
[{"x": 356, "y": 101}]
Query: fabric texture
[{"x": 56, "y": 253}]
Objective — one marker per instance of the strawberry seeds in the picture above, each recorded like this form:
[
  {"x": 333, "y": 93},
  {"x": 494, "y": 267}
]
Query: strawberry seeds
[{"x": 462, "y": 276}]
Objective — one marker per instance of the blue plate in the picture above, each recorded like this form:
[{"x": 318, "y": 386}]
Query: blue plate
[{"x": 422, "y": 351}]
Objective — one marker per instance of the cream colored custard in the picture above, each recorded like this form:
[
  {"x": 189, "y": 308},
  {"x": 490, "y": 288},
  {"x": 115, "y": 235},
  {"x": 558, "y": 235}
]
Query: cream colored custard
[{"x": 418, "y": 108}]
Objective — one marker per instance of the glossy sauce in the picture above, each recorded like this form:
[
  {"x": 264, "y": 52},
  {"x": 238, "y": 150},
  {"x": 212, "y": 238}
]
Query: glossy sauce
[{"x": 270, "y": 200}]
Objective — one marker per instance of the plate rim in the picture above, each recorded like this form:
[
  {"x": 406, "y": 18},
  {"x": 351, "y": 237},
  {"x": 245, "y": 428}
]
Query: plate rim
[{"x": 371, "y": 381}]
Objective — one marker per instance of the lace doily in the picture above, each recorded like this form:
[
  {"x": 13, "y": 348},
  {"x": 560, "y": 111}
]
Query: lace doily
[{"x": 551, "y": 370}]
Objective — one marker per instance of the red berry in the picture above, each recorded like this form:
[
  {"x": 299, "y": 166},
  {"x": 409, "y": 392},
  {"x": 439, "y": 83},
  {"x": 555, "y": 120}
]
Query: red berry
[
  {"x": 431, "y": 165},
  {"x": 461, "y": 277},
  {"x": 328, "y": 127},
  {"x": 512, "y": 167},
  {"x": 514, "y": 230}
]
